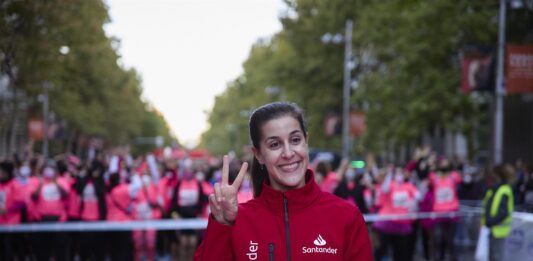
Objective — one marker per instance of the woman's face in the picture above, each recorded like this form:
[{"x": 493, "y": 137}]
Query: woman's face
[{"x": 284, "y": 153}]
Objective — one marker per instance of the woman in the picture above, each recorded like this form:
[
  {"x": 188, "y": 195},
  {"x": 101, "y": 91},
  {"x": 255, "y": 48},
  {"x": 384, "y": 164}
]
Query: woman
[
  {"x": 445, "y": 182},
  {"x": 48, "y": 205},
  {"x": 352, "y": 189},
  {"x": 290, "y": 218},
  {"x": 498, "y": 207},
  {"x": 119, "y": 199},
  {"x": 398, "y": 197},
  {"x": 90, "y": 191}
]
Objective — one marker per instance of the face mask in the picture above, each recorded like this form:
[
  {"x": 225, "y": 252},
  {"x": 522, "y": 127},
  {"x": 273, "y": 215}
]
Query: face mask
[
  {"x": 49, "y": 173},
  {"x": 24, "y": 171},
  {"x": 350, "y": 174},
  {"x": 468, "y": 178},
  {"x": 367, "y": 179},
  {"x": 399, "y": 178},
  {"x": 146, "y": 180},
  {"x": 200, "y": 176}
]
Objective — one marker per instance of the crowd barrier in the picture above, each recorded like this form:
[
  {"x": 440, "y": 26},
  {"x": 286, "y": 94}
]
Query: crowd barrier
[
  {"x": 198, "y": 223},
  {"x": 518, "y": 246}
]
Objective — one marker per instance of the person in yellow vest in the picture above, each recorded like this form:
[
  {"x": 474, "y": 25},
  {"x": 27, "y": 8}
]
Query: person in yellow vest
[{"x": 498, "y": 206}]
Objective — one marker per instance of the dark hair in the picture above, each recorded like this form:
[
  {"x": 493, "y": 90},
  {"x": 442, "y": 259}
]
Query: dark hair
[
  {"x": 260, "y": 117},
  {"x": 7, "y": 167},
  {"x": 324, "y": 168},
  {"x": 61, "y": 166},
  {"x": 505, "y": 172}
]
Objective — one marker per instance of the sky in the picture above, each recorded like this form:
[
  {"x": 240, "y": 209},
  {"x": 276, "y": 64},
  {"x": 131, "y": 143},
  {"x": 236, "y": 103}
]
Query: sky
[{"x": 186, "y": 51}]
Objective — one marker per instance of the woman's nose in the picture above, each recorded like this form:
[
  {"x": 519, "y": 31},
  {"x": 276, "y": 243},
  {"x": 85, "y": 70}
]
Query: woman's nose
[{"x": 287, "y": 152}]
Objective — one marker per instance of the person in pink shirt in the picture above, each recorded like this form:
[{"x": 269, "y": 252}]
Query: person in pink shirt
[
  {"x": 91, "y": 192},
  {"x": 328, "y": 178},
  {"x": 399, "y": 196},
  {"x": 11, "y": 196},
  {"x": 167, "y": 183},
  {"x": 147, "y": 206},
  {"x": 11, "y": 204},
  {"x": 119, "y": 200},
  {"x": 48, "y": 199},
  {"x": 187, "y": 202},
  {"x": 245, "y": 193},
  {"x": 444, "y": 183},
  {"x": 25, "y": 183},
  {"x": 68, "y": 175},
  {"x": 351, "y": 188},
  {"x": 167, "y": 240}
]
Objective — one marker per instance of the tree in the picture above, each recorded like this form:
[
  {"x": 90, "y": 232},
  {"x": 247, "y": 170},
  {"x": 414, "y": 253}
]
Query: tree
[{"x": 63, "y": 43}]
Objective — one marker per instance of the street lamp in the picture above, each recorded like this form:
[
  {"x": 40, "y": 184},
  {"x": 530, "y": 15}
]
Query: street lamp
[
  {"x": 500, "y": 88},
  {"x": 44, "y": 99},
  {"x": 347, "y": 82}
]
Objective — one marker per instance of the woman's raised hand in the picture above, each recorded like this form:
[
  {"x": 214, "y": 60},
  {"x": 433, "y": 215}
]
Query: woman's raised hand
[{"x": 223, "y": 202}]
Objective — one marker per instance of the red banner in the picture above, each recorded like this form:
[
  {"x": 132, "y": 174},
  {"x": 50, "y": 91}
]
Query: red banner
[
  {"x": 477, "y": 71},
  {"x": 519, "y": 68},
  {"x": 357, "y": 123},
  {"x": 332, "y": 125},
  {"x": 36, "y": 129}
]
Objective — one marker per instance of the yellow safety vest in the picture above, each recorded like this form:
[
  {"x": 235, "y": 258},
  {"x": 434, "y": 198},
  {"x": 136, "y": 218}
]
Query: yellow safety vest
[{"x": 504, "y": 228}]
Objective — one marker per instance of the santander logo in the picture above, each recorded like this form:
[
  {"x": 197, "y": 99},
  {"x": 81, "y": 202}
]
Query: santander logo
[
  {"x": 319, "y": 247},
  {"x": 319, "y": 241}
]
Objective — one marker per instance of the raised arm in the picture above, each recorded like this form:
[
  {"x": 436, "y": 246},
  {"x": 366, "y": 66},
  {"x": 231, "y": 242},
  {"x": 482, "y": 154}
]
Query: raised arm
[{"x": 223, "y": 203}]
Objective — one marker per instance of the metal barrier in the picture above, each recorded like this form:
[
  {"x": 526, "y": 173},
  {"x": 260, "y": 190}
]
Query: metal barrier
[{"x": 197, "y": 223}]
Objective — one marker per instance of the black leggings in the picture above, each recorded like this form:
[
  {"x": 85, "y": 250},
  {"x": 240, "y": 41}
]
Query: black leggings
[{"x": 399, "y": 245}]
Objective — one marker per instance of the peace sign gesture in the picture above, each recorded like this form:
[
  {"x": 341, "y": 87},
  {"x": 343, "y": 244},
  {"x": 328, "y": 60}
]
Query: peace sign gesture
[{"x": 223, "y": 202}]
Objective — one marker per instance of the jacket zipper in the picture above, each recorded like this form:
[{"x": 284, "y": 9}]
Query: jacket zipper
[
  {"x": 271, "y": 252},
  {"x": 287, "y": 234}
]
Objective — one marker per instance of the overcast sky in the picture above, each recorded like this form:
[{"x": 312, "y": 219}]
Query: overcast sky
[{"x": 186, "y": 51}]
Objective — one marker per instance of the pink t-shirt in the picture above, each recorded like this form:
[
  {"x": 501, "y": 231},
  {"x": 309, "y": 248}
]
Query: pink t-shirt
[
  {"x": 145, "y": 198},
  {"x": 399, "y": 200},
  {"x": 33, "y": 183},
  {"x": 11, "y": 194},
  {"x": 329, "y": 183},
  {"x": 49, "y": 201},
  {"x": 208, "y": 189},
  {"x": 90, "y": 211},
  {"x": 445, "y": 191},
  {"x": 244, "y": 196},
  {"x": 166, "y": 189},
  {"x": 188, "y": 194},
  {"x": 118, "y": 201}
]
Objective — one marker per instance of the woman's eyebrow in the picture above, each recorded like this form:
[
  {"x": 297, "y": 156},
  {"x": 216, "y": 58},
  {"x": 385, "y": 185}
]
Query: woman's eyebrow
[
  {"x": 272, "y": 138},
  {"x": 295, "y": 132}
]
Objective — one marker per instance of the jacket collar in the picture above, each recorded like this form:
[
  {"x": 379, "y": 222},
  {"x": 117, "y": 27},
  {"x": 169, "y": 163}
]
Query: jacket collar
[{"x": 297, "y": 199}]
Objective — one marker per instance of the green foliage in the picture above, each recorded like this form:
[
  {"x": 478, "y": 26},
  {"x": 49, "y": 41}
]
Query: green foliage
[
  {"x": 409, "y": 54},
  {"x": 62, "y": 42}
]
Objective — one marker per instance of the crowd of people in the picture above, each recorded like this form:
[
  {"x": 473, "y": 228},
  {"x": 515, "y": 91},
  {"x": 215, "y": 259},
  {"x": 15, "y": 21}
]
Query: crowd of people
[
  {"x": 119, "y": 188},
  {"x": 429, "y": 183},
  {"x": 106, "y": 188}
]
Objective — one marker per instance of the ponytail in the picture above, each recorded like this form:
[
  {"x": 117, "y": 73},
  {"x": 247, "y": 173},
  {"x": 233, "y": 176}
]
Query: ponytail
[{"x": 258, "y": 177}]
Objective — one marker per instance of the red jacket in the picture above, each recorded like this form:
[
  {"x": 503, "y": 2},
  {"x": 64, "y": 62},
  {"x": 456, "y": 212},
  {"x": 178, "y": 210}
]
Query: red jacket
[{"x": 300, "y": 224}]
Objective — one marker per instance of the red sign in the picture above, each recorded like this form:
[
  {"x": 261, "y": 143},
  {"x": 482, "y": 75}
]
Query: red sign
[
  {"x": 357, "y": 123},
  {"x": 332, "y": 125},
  {"x": 519, "y": 68},
  {"x": 476, "y": 72},
  {"x": 36, "y": 129}
]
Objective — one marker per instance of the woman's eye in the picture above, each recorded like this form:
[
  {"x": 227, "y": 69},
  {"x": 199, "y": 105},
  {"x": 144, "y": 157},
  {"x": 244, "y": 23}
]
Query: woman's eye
[
  {"x": 296, "y": 140},
  {"x": 273, "y": 145}
]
